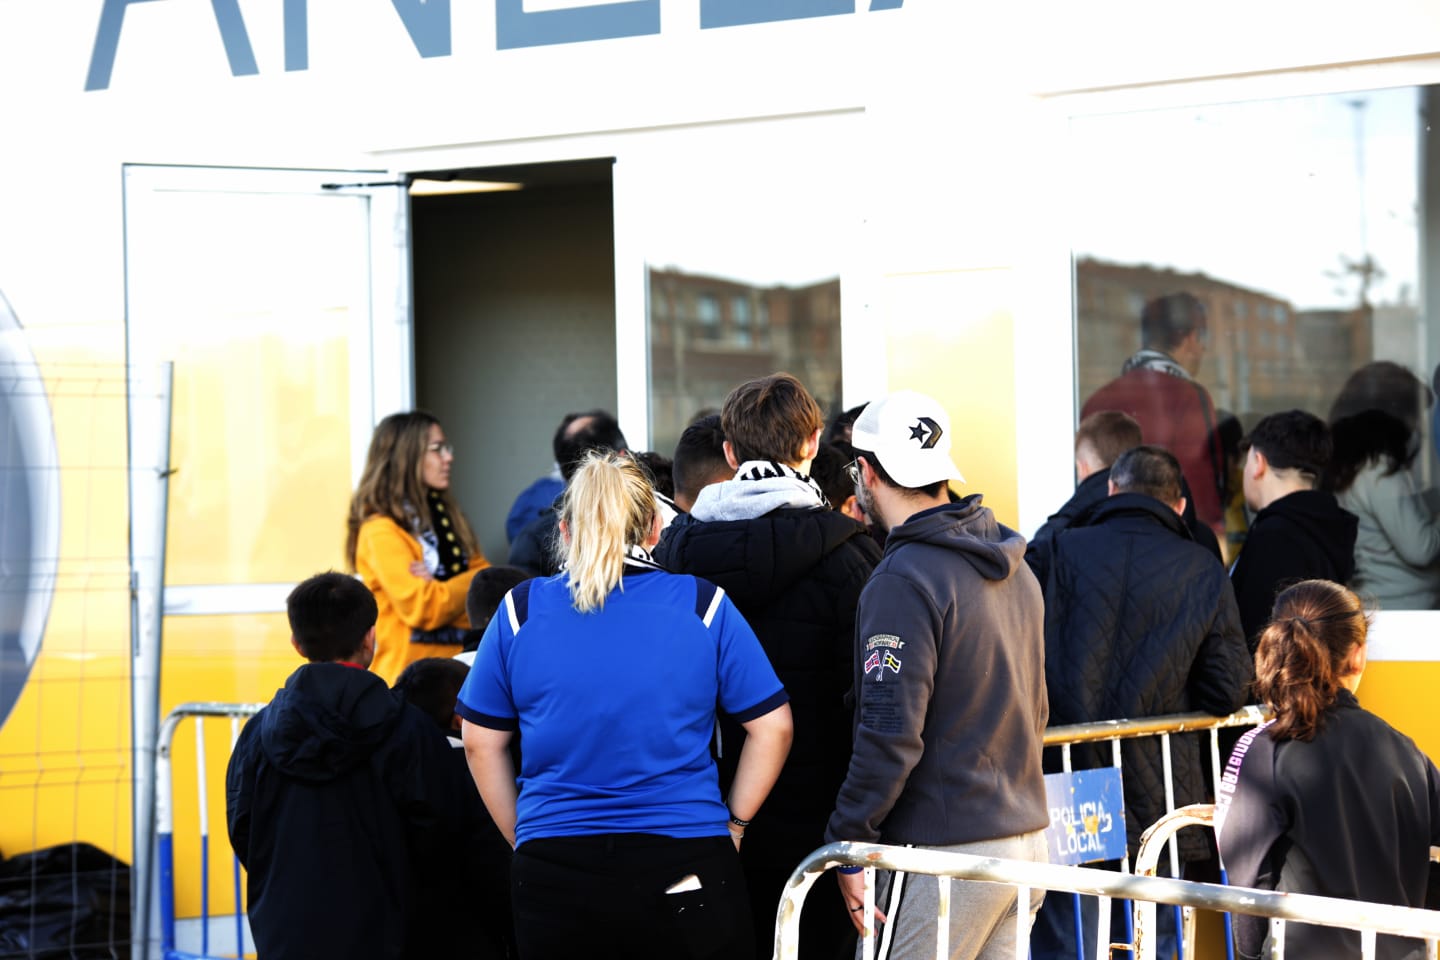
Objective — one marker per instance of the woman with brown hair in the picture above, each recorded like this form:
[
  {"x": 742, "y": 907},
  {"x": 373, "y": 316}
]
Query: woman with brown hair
[
  {"x": 1326, "y": 798},
  {"x": 411, "y": 544}
]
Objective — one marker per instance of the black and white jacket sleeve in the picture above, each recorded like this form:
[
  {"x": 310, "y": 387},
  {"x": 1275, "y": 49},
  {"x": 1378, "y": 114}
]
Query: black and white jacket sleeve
[{"x": 1250, "y": 820}]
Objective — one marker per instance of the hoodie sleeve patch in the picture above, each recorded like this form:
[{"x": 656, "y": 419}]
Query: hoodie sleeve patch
[{"x": 882, "y": 656}]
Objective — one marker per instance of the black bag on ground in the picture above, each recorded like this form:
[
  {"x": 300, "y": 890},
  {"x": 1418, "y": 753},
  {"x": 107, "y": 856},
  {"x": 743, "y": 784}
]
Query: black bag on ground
[{"x": 70, "y": 901}]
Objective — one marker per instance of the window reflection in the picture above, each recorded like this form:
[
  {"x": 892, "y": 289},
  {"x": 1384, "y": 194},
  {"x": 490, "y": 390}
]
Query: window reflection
[
  {"x": 703, "y": 342},
  {"x": 748, "y": 228},
  {"x": 1284, "y": 238}
]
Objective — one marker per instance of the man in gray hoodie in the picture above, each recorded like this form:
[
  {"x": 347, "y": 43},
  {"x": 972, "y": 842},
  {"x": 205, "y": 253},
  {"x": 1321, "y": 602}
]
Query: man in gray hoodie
[{"x": 950, "y": 683}]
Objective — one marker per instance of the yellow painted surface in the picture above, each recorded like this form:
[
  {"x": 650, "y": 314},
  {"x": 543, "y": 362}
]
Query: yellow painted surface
[
  {"x": 1404, "y": 695},
  {"x": 65, "y": 748},
  {"x": 230, "y": 659},
  {"x": 261, "y": 439},
  {"x": 261, "y": 443},
  {"x": 951, "y": 335}
]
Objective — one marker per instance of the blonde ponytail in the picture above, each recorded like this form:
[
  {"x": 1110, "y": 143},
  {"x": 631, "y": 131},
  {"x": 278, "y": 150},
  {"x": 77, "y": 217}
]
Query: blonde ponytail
[{"x": 609, "y": 506}]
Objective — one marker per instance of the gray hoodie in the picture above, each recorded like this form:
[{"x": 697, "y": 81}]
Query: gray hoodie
[{"x": 951, "y": 687}]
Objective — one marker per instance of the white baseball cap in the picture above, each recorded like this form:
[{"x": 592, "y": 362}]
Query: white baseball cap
[{"x": 909, "y": 433}]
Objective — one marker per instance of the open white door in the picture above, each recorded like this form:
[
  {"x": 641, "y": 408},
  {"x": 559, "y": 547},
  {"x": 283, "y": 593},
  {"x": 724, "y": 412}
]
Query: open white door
[{"x": 281, "y": 298}]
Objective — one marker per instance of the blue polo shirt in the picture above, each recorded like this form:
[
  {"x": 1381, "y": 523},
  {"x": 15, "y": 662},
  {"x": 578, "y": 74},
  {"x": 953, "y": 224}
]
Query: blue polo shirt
[{"x": 616, "y": 708}]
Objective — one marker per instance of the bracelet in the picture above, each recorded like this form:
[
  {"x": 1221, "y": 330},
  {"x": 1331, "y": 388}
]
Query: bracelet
[
  {"x": 851, "y": 870},
  {"x": 742, "y": 824}
]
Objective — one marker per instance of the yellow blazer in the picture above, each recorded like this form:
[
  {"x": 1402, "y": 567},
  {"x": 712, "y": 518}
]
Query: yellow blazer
[{"x": 383, "y": 554}]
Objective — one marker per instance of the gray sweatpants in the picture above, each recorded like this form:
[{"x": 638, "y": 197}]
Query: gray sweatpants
[{"x": 982, "y": 915}]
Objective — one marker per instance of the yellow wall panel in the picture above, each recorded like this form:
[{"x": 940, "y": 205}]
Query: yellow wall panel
[
  {"x": 261, "y": 446},
  {"x": 65, "y": 747},
  {"x": 951, "y": 335},
  {"x": 1404, "y": 695}
]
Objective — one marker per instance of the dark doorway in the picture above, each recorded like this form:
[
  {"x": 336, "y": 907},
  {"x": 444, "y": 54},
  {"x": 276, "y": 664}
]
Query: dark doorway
[{"x": 514, "y": 321}]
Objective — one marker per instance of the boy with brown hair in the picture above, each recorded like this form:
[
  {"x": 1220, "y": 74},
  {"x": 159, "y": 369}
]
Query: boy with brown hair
[
  {"x": 795, "y": 570},
  {"x": 772, "y": 418}
]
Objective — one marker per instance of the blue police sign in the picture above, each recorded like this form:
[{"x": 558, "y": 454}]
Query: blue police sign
[{"x": 1087, "y": 816}]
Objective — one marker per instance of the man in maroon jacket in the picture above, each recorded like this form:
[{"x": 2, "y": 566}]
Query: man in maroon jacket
[{"x": 1156, "y": 386}]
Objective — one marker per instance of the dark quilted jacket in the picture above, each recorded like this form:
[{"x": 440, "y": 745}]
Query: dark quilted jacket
[{"x": 1140, "y": 621}]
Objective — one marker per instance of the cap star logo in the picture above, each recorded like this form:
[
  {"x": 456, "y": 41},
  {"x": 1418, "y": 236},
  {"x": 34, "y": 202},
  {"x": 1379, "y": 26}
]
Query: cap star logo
[{"x": 926, "y": 431}]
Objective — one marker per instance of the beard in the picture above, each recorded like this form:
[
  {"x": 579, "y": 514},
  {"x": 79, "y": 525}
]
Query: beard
[{"x": 866, "y": 501}]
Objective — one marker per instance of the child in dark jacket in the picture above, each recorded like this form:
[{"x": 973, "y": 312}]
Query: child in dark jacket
[{"x": 333, "y": 795}]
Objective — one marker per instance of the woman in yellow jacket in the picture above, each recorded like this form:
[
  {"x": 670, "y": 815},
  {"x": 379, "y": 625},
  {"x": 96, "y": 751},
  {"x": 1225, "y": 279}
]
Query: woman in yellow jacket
[{"x": 410, "y": 543}]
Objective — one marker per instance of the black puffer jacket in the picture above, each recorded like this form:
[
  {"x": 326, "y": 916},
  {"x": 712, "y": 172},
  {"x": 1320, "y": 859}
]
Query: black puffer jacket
[
  {"x": 1140, "y": 621},
  {"x": 796, "y": 575},
  {"x": 338, "y": 805},
  {"x": 1302, "y": 536}
]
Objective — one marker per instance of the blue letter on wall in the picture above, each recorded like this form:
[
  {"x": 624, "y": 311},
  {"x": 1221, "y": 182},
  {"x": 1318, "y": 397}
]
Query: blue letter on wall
[
  {"x": 734, "y": 13},
  {"x": 603, "y": 21},
  {"x": 236, "y": 40},
  {"x": 428, "y": 23},
  {"x": 297, "y": 35},
  {"x": 107, "y": 40}
]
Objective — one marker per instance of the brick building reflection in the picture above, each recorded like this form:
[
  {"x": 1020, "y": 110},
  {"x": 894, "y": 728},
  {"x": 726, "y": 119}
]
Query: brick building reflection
[
  {"x": 1263, "y": 355},
  {"x": 709, "y": 333}
]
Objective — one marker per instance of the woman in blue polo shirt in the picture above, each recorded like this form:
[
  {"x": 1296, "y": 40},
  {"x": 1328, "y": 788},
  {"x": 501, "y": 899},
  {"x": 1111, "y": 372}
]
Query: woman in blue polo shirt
[{"x": 612, "y": 672}]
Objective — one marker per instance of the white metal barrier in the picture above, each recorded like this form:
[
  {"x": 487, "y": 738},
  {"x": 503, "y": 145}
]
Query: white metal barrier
[
  {"x": 1026, "y": 877},
  {"x": 1163, "y": 727},
  {"x": 165, "y": 828},
  {"x": 1155, "y": 839}
]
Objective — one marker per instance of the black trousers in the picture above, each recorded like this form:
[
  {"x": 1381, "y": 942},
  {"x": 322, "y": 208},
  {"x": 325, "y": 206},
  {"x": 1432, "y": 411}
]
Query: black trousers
[{"x": 605, "y": 897}]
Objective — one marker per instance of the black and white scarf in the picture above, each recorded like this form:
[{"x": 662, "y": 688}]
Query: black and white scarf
[
  {"x": 759, "y": 487},
  {"x": 639, "y": 558},
  {"x": 443, "y": 551},
  {"x": 1155, "y": 360}
]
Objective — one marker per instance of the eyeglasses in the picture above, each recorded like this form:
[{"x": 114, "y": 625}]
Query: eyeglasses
[
  {"x": 852, "y": 470},
  {"x": 445, "y": 448}
]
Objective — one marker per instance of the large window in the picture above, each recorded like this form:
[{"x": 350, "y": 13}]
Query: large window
[
  {"x": 748, "y": 231},
  {"x": 1275, "y": 248}
]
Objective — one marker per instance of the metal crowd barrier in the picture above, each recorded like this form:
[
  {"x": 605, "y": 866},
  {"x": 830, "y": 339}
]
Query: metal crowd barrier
[
  {"x": 1157, "y": 836},
  {"x": 1026, "y": 877},
  {"x": 1163, "y": 727},
  {"x": 165, "y": 828}
]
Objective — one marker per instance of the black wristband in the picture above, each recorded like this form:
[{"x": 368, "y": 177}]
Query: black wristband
[{"x": 742, "y": 824}]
